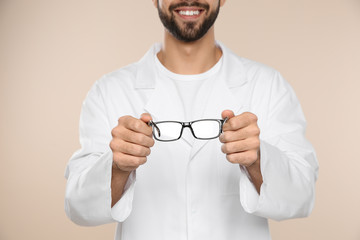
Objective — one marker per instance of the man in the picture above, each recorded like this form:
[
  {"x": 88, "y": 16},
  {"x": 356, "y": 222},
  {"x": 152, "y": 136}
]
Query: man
[{"x": 260, "y": 167}]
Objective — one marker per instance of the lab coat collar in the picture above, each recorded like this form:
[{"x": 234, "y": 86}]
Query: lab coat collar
[{"x": 162, "y": 104}]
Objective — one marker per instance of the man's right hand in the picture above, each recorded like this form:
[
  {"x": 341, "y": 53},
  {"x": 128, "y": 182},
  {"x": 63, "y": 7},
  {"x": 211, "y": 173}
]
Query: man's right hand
[{"x": 131, "y": 142}]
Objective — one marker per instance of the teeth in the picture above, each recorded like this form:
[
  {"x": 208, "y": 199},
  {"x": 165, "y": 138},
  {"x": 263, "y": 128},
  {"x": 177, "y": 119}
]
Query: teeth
[{"x": 189, "y": 13}]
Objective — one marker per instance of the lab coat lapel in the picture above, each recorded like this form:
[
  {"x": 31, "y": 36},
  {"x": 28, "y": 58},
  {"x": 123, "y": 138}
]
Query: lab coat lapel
[
  {"x": 221, "y": 97},
  {"x": 164, "y": 103}
]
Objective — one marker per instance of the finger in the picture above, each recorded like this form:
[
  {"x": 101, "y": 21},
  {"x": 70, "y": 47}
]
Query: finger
[
  {"x": 137, "y": 138},
  {"x": 246, "y": 158},
  {"x": 231, "y": 136},
  {"x": 240, "y": 121},
  {"x": 227, "y": 114},
  {"x": 139, "y": 126},
  {"x": 132, "y": 149},
  {"x": 240, "y": 146},
  {"x": 127, "y": 162},
  {"x": 121, "y": 132},
  {"x": 145, "y": 117},
  {"x": 240, "y": 134}
]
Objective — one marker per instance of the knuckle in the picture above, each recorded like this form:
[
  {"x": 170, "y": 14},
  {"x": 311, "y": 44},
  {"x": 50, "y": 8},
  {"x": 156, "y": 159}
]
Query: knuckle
[
  {"x": 136, "y": 125},
  {"x": 244, "y": 160},
  {"x": 148, "y": 152},
  {"x": 152, "y": 142},
  {"x": 123, "y": 119},
  {"x": 112, "y": 145},
  {"x": 249, "y": 158},
  {"x": 224, "y": 148},
  {"x": 114, "y": 132},
  {"x": 256, "y": 142},
  {"x": 232, "y": 124},
  {"x": 143, "y": 160},
  {"x": 253, "y": 117},
  {"x": 135, "y": 162},
  {"x": 231, "y": 158},
  {"x": 144, "y": 151},
  {"x": 148, "y": 131},
  {"x": 256, "y": 131},
  {"x": 226, "y": 137},
  {"x": 139, "y": 161},
  {"x": 222, "y": 138}
]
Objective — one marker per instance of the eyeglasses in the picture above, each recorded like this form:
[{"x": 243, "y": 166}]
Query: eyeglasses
[{"x": 204, "y": 129}]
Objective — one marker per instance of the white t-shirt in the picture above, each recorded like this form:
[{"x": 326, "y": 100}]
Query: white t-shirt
[
  {"x": 193, "y": 90},
  {"x": 189, "y": 86}
]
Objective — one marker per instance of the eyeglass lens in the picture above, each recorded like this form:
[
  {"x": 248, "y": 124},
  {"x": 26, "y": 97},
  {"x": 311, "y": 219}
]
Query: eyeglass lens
[
  {"x": 206, "y": 128},
  {"x": 167, "y": 131}
]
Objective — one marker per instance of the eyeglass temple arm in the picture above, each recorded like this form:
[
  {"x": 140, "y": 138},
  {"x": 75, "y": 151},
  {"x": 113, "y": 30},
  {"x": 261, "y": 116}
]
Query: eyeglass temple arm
[
  {"x": 151, "y": 123},
  {"x": 223, "y": 122}
]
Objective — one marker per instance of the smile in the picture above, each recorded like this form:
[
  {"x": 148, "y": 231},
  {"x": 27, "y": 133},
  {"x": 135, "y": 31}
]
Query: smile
[{"x": 189, "y": 13}]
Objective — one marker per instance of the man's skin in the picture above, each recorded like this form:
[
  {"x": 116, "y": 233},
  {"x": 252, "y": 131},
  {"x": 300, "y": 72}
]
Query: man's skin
[{"x": 132, "y": 137}]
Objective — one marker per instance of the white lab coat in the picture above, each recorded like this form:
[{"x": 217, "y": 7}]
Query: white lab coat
[{"x": 189, "y": 191}]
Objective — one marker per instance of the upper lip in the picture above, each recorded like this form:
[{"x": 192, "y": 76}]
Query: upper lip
[
  {"x": 185, "y": 6},
  {"x": 188, "y": 9}
]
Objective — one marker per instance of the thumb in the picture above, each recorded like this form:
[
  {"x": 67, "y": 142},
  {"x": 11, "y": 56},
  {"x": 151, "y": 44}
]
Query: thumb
[
  {"x": 145, "y": 117},
  {"x": 227, "y": 114}
]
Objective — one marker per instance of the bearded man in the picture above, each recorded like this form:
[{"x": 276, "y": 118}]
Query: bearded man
[{"x": 191, "y": 142}]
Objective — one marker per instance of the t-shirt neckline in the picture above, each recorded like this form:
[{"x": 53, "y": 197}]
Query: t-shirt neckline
[{"x": 188, "y": 77}]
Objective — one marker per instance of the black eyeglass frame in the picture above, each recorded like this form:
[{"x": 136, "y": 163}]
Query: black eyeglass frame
[{"x": 184, "y": 125}]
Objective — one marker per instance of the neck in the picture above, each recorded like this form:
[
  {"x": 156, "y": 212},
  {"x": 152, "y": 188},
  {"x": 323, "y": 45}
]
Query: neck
[{"x": 189, "y": 58}]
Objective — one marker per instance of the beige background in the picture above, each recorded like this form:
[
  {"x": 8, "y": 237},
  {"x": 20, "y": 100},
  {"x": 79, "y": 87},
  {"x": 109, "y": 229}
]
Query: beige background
[{"x": 52, "y": 51}]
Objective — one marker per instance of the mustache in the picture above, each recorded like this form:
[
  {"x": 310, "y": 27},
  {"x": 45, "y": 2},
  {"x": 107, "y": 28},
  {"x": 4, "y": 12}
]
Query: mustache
[{"x": 187, "y": 4}]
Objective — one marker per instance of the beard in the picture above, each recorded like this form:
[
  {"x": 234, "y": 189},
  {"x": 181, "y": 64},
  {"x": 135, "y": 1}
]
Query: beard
[{"x": 190, "y": 32}]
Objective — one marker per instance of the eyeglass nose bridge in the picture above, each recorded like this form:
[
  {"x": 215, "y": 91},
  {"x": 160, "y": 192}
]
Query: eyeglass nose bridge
[{"x": 187, "y": 125}]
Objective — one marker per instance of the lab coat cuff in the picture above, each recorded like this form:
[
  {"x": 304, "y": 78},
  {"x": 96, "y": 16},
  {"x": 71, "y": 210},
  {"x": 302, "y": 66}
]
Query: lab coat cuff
[
  {"x": 88, "y": 195},
  {"x": 250, "y": 199},
  {"x": 122, "y": 209}
]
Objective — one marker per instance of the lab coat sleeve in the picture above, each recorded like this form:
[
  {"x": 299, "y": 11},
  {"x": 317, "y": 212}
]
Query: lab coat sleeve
[
  {"x": 88, "y": 173},
  {"x": 288, "y": 162}
]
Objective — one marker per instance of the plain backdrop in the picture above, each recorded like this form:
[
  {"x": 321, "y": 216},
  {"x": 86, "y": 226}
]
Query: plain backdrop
[{"x": 52, "y": 51}]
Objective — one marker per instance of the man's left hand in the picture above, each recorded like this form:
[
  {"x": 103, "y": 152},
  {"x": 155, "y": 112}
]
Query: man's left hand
[{"x": 241, "y": 138}]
